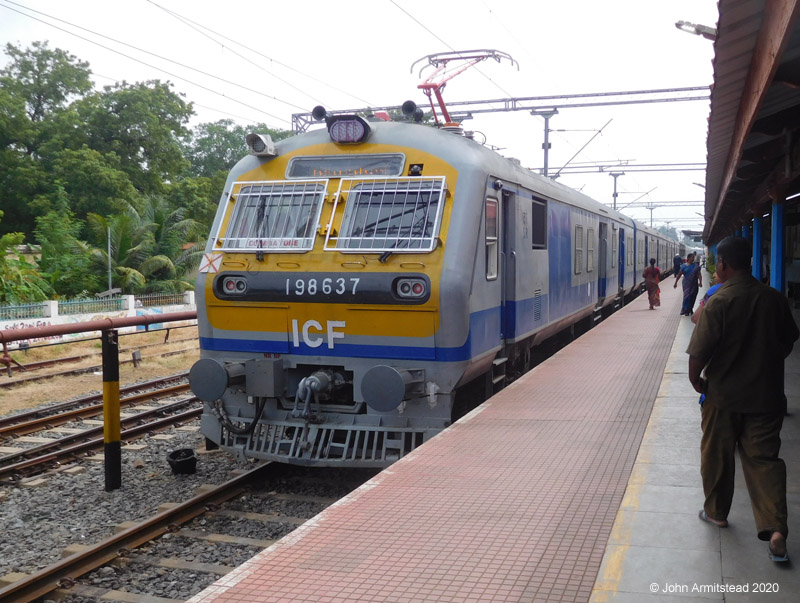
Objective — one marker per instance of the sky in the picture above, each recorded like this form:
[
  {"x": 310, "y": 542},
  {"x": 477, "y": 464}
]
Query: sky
[{"x": 263, "y": 61}]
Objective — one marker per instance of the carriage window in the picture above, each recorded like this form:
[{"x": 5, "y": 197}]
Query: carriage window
[
  {"x": 272, "y": 216},
  {"x": 394, "y": 215},
  {"x": 614, "y": 247},
  {"x": 629, "y": 251},
  {"x": 492, "y": 255},
  {"x": 538, "y": 224},
  {"x": 578, "y": 249},
  {"x": 590, "y": 250}
]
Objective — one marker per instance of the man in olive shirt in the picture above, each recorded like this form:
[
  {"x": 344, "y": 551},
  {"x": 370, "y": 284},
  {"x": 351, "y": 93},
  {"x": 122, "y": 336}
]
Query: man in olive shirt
[{"x": 742, "y": 337}]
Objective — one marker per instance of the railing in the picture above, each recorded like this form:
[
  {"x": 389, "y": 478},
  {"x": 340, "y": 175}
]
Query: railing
[
  {"x": 23, "y": 311},
  {"x": 52, "y": 309},
  {"x": 160, "y": 299},
  {"x": 87, "y": 306}
]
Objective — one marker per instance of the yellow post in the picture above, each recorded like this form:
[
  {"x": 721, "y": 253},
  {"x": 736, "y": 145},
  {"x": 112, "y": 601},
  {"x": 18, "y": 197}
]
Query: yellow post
[{"x": 111, "y": 411}]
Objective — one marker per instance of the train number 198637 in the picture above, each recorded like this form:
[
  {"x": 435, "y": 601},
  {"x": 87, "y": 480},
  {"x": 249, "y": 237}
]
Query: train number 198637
[{"x": 325, "y": 286}]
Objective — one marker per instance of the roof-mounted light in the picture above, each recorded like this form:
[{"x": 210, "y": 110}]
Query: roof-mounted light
[
  {"x": 348, "y": 129},
  {"x": 261, "y": 145}
]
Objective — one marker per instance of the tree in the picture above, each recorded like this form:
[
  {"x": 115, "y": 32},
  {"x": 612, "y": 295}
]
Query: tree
[
  {"x": 216, "y": 146},
  {"x": 93, "y": 182},
  {"x": 66, "y": 261},
  {"x": 20, "y": 282},
  {"x": 46, "y": 79},
  {"x": 122, "y": 232},
  {"x": 148, "y": 249},
  {"x": 140, "y": 123},
  {"x": 171, "y": 257},
  {"x": 199, "y": 196},
  {"x": 36, "y": 85}
]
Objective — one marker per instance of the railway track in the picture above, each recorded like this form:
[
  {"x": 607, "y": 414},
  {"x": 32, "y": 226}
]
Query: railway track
[
  {"x": 246, "y": 513},
  {"x": 26, "y": 379},
  {"x": 40, "y": 364},
  {"x": 87, "y": 406},
  {"x": 25, "y": 463},
  {"x": 64, "y": 573}
]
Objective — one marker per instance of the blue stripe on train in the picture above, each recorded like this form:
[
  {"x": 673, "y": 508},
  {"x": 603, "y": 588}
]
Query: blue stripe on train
[{"x": 484, "y": 334}]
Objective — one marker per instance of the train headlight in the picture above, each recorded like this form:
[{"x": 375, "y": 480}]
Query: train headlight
[
  {"x": 411, "y": 288},
  {"x": 348, "y": 129},
  {"x": 260, "y": 145},
  {"x": 234, "y": 285}
]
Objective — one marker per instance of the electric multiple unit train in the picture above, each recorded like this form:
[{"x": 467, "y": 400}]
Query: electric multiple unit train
[{"x": 359, "y": 277}]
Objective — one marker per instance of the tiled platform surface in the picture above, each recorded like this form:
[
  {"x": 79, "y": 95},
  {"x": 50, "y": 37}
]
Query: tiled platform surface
[
  {"x": 515, "y": 502},
  {"x": 659, "y": 550}
]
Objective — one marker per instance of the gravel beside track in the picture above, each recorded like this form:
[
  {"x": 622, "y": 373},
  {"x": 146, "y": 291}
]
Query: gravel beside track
[
  {"x": 70, "y": 508},
  {"x": 39, "y": 522}
]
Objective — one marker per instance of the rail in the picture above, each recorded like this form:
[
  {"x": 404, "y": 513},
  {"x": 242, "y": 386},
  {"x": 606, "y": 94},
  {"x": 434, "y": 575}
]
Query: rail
[
  {"x": 111, "y": 405},
  {"x": 66, "y": 570}
]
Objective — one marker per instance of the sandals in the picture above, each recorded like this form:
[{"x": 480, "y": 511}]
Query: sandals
[
  {"x": 778, "y": 557},
  {"x": 714, "y": 522}
]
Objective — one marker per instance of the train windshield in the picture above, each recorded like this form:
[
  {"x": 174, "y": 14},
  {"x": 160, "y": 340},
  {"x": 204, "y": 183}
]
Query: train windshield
[
  {"x": 273, "y": 216},
  {"x": 393, "y": 214}
]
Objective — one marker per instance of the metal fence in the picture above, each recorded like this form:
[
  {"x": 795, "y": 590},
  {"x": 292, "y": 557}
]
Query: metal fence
[
  {"x": 23, "y": 311},
  {"x": 87, "y": 306},
  {"x": 160, "y": 299}
]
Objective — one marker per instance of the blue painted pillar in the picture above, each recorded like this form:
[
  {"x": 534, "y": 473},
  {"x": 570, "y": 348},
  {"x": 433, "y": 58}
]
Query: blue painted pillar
[
  {"x": 757, "y": 248},
  {"x": 776, "y": 266},
  {"x": 746, "y": 232}
]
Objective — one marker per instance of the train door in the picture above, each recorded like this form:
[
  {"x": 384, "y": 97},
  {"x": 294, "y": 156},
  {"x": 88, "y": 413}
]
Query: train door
[
  {"x": 621, "y": 258},
  {"x": 602, "y": 272},
  {"x": 508, "y": 263}
]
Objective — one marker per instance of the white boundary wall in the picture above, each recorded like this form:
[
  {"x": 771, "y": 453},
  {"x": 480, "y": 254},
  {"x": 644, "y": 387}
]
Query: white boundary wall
[{"x": 129, "y": 310}]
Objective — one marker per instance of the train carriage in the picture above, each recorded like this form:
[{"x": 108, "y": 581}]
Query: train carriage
[{"x": 359, "y": 277}]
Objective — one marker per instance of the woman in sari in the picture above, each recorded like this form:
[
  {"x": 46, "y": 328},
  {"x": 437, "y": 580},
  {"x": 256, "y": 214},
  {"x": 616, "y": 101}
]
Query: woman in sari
[
  {"x": 692, "y": 281},
  {"x": 652, "y": 276}
]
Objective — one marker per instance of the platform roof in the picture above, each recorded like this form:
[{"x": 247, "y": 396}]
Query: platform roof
[{"x": 754, "y": 125}]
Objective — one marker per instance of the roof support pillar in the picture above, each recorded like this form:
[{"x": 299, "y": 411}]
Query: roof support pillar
[
  {"x": 776, "y": 266},
  {"x": 757, "y": 243}
]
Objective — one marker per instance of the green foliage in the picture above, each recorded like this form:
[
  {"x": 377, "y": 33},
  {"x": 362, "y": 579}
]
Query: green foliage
[
  {"x": 46, "y": 79},
  {"x": 66, "y": 261},
  {"x": 141, "y": 124},
  {"x": 91, "y": 181},
  {"x": 216, "y": 147},
  {"x": 22, "y": 178},
  {"x": 76, "y": 162},
  {"x": 147, "y": 249},
  {"x": 20, "y": 282},
  {"x": 199, "y": 196}
]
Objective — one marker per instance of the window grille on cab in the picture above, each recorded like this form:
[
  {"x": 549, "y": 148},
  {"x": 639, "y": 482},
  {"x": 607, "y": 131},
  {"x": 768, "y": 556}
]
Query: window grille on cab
[
  {"x": 387, "y": 215},
  {"x": 272, "y": 216}
]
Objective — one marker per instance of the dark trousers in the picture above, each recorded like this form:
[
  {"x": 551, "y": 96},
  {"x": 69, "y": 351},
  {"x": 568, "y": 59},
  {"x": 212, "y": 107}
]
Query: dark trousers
[{"x": 759, "y": 441}]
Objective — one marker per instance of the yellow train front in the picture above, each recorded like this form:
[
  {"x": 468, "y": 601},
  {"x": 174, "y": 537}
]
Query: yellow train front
[{"x": 319, "y": 298}]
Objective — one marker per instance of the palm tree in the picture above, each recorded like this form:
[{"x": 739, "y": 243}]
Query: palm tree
[{"x": 148, "y": 249}]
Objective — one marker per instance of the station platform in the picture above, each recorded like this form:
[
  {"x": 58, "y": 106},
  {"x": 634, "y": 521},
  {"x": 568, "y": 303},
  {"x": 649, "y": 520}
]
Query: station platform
[{"x": 578, "y": 482}]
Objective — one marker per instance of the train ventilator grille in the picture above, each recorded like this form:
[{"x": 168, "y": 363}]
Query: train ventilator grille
[
  {"x": 387, "y": 215},
  {"x": 361, "y": 446},
  {"x": 272, "y": 216}
]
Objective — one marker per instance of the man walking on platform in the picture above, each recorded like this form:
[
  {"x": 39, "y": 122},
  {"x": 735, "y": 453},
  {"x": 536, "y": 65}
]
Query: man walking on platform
[{"x": 742, "y": 337}]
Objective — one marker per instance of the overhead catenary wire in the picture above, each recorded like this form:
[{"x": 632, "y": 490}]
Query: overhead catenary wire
[
  {"x": 423, "y": 26},
  {"x": 191, "y": 24},
  {"x": 4, "y": 4}
]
